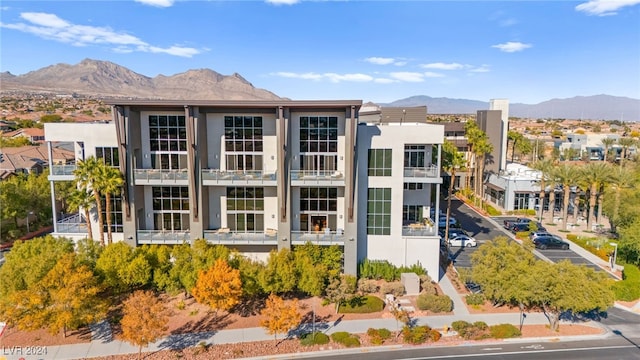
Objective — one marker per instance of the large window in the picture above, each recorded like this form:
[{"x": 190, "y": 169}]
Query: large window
[
  {"x": 109, "y": 155},
  {"x": 171, "y": 208},
  {"x": 379, "y": 162},
  {"x": 414, "y": 156},
  {"x": 379, "y": 211},
  {"x": 243, "y": 142},
  {"x": 167, "y": 133},
  {"x": 116, "y": 213},
  {"x": 318, "y": 199},
  {"x": 319, "y": 134},
  {"x": 412, "y": 214},
  {"x": 521, "y": 201},
  {"x": 245, "y": 209}
]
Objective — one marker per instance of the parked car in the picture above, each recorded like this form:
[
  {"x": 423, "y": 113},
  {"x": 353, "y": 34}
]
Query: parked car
[
  {"x": 462, "y": 241},
  {"x": 508, "y": 224},
  {"x": 521, "y": 227},
  {"x": 453, "y": 232},
  {"x": 550, "y": 242},
  {"x": 536, "y": 234}
]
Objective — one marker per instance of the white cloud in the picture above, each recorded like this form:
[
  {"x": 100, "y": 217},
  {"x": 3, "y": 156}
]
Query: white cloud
[
  {"x": 157, "y": 3},
  {"x": 332, "y": 77},
  {"x": 386, "y": 61},
  {"x": 481, "y": 69},
  {"x": 430, "y": 74},
  {"x": 384, "y": 81},
  {"x": 407, "y": 76},
  {"x": 51, "y": 27},
  {"x": 282, "y": 2},
  {"x": 511, "y": 46},
  {"x": 443, "y": 66},
  {"x": 605, "y": 7}
]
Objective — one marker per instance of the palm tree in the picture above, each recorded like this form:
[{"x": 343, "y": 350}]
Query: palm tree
[
  {"x": 472, "y": 133},
  {"x": 109, "y": 182},
  {"x": 82, "y": 199},
  {"x": 452, "y": 160},
  {"x": 607, "y": 143},
  {"x": 626, "y": 143},
  {"x": 514, "y": 137},
  {"x": 621, "y": 178},
  {"x": 595, "y": 174},
  {"x": 481, "y": 149},
  {"x": 545, "y": 168},
  {"x": 567, "y": 175},
  {"x": 569, "y": 154},
  {"x": 86, "y": 175}
]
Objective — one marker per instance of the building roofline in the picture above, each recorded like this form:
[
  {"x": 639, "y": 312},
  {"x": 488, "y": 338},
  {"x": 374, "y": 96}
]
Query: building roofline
[{"x": 234, "y": 103}]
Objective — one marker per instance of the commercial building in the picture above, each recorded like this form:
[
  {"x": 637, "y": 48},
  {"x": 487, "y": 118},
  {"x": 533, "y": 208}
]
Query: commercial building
[{"x": 264, "y": 175}]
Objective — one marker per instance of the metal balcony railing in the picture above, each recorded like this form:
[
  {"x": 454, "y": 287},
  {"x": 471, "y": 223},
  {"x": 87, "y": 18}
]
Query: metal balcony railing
[
  {"x": 226, "y": 236},
  {"x": 73, "y": 224},
  {"x": 62, "y": 170},
  {"x": 161, "y": 237},
  {"x": 318, "y": 237},
  {"x": 421, "y": 172},
  {"x": 317, "y": 175},
  {"x": 237, "y": 175},
  {"x": 160, "y": 174},
  {"x": 418, "y": 230}
]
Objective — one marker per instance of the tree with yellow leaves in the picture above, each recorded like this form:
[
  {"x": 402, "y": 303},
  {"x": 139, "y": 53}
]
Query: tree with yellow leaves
[
  {"x": 144, "y": 319},
  {"x": 280, "y": 316},
  {"x": 219, "y": 287}
]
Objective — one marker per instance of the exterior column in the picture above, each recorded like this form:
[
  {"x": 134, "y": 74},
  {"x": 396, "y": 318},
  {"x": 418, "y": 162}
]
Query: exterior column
[
  {"x": 282, "y": 178},
  {"x": 191, "y": 115},
  {"x": 121, "y": 119},
  {"x": 53, "y": 189},
  {"x": 351, "y": 226}
]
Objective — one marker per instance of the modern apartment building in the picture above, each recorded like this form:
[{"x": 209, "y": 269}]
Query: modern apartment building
[{"x": 263, "y": 175}]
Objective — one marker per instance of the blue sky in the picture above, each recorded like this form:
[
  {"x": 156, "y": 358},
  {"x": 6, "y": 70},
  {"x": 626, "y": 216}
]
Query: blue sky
[{"x": 381, "y": 51}]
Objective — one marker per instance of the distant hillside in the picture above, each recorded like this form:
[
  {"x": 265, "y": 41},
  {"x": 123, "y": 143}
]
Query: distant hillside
[
  {"x": 597, "y": 107},
  {"x": 106, "y": 79}
]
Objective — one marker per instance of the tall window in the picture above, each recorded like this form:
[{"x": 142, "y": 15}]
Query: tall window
[
  {"x": 167, "y": 133},
  {"x": 521, "y": 201},
  {"x": 116, "y": 213},
  {"x": 414, "y": 156},
  {"x": 379, "y": 211},
  {"x": 171, "y": 208},
  {"x": 243, "y": 142},
  {"x": 319, "y": 143},
  {"x": 412, "y": 214},
  {"x": 109, "y": 155},
  {"x": 379, "y": 162},
  {"x": 245, "y": 209},
  {"x": 318, "y": 199}
]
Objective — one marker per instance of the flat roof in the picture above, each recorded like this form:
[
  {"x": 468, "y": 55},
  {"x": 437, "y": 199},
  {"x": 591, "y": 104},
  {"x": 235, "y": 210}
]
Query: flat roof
[{"x": 234, "y": 103}]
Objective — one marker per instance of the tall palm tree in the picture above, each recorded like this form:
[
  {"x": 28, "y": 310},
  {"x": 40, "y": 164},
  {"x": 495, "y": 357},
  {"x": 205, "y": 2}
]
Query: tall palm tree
[
  {"x": 514, "y": 137},
  {"x": 452, "y": 160},
  {"x": 595, "y": 175},
  {"x": 82, "y": 199},
  {"x": 545, "y": 168},
  {"x": 607, "y": 143},
  {"x": 472, "y": 133},
  {"x": 481, "y": 149},
  {"x": 567, "y": 175},
  {"x": 621, "y": 178},
  {"x": 86, "y": 175},
  {"x": 626, "y": 143},
  {"x": 109, "y": 182}
]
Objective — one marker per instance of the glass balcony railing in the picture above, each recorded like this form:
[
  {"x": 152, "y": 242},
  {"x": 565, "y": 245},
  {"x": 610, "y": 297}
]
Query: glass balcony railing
[
  {"x": 418, "y": 230},
  {"x": 318, "y": 237},
  {"x": 226, "y": 236},
  {"x": 160, "y": 174},
  {"x": 316, "y": 175},
  {"x": 63, "y": 170},
  {"x": 74, "y": 224},
  {"x": 421, "y": 172},
  {"x": 237, "y": 175},
  {"x": 161, "y": 237}
]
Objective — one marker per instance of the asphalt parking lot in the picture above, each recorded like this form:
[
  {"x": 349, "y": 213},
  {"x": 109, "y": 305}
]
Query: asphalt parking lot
[{"x": 484, "y": 230}]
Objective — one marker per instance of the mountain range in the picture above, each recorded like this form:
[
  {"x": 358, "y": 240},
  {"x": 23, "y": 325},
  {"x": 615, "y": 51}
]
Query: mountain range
[{"x": 106, "y": 79}]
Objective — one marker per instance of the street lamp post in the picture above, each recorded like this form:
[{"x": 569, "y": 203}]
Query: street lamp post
[
  {"x": 28, "y": 215},
  {"x": 615, "y": 254}
]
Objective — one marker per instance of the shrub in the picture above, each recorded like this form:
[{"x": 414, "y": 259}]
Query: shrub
[
  {"x": 459, "y": 325},
  {"x": 316, "y": 338},
  {"x": 378, "y": 336},
  {"x": 415, "y": 335},
  {"x": 367, "y": 286},
  {"x": 434, "y": 335},
  {"x": 475, "y": 299},
  {"x": 504, "y": 331},
  {"x": 415, "y": 268},
  {"x": 492, "y": 211},
  {"x": 427, "y": 285},
  {"x": 362, "y": 305},
  {"x": 522, "y": 234},
  {"x": 378, "y": 269},
  {"x": 345, "y": 338},
  {"x": 396, "y": 288},
  {"x": 629, "y": 288},
  {"x": 434, "y": 303},
  {"x": 481, "y": 325}
]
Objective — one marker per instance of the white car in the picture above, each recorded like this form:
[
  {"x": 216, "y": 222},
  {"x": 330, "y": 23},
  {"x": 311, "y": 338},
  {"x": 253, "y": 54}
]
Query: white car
[{"x": 462, "y": 241}]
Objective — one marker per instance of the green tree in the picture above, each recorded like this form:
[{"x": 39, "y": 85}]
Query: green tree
[
  {"x": 607, "y": 143},
  {"x": 250, "y": 271},
  {"x": 109, "y": 182},
  {"x": 13, "y": 199},
  {"x": 88, "y": 251},
  {"x": 341, "y": 289},
  {"x": 596, "y": 175},
  {"x": 482, "y": 148},
  {"x": 473, "y": 133},
  {"x": 312, "y": 276},
  {"x": 567, "y": 176},
  {"x": 280, "y": 275},
  {"x": 545, "y": 168},
  {"x": 629, "y": 243},
  {"x": 87, "y": 176},
  {"x": 626, "y": 143},
  {"x": 82, "y": 199},
  {"x": 452, "y": 161},
  {"x": 514, "y": 138},
  {"x": 121, "y": 268},
  {"x": 622, "y": 185}
]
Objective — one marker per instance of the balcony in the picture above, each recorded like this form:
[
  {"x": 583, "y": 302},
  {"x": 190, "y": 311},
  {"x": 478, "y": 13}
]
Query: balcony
[
  {"x": 238, "y": 177},
  {"x": 62, "y": 172},
  {"x": 421, "y": 174},
  {"x": 225, "y": 236},
  {"x": 73, "y": 224},
  {"x": 318, "y": 238},
  {"x": 160, "y": 177},
  {"x": 160, "y": 237},
  {"x": 418, "y": 230},
  {"x": 317, "y": 177}
]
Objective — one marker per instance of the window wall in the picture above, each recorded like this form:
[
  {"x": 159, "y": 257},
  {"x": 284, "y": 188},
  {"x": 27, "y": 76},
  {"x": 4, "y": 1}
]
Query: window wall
[
  {"x": 319, "y": 143},
  {"x": 171, "y": 208},
  {"x": 379, "y": 162},
  {"x": 245, "y": 209},
  {"x": 168, "y": 142},
  {"x": 379, "y": 211},
  {"x": 243, "y": 142},
  {"x": 109, "y": 155}
]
